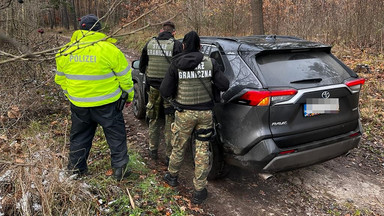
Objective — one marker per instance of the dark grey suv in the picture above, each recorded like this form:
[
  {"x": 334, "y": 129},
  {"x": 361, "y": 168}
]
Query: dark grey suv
[{"x": 291, "y": 103}]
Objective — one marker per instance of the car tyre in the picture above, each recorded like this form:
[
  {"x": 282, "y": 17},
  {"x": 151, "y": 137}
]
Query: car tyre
[{"x": 138, "y": 103}]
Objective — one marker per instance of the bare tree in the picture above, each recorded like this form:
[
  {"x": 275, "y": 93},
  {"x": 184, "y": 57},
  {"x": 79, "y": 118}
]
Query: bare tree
[
  {"x": 65, "y": 17},
  {"x": 257, "y": 17},
  {"x": 73, "y": 14}
]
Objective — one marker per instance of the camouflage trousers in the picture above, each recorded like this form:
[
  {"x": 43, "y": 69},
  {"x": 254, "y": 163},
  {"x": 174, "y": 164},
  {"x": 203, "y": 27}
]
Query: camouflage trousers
[
  {"x": 153, "y": 112},
  {"x": 186, "y": 122}
]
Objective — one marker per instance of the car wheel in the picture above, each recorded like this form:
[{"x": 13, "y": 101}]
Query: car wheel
[
  {"x": 138, "y": 103},
  {"x": 216, "y": 160}
]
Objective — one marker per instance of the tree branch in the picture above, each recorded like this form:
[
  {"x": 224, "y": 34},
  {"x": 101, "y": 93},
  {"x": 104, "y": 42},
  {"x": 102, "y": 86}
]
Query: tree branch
[
  {"x": 16, "y": 164},
  {"x": 141, "y": 16},
  {"x": 146, "y": 26},
  {"x": 5, "y": 39},
  {"x": 51, "y": 53},
  {"x": 6, "y": 5}
]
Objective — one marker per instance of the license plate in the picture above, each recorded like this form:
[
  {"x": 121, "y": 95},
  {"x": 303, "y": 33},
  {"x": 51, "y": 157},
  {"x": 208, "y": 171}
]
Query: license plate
[{"x": 317, "y": 106}]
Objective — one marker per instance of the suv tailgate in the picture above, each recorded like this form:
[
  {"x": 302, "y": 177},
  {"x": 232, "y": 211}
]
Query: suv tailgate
[{"x": 318, "y": 76}]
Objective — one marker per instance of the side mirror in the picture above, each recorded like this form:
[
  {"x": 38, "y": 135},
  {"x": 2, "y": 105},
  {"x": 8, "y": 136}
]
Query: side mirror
[{"x": 135, "y": 64}]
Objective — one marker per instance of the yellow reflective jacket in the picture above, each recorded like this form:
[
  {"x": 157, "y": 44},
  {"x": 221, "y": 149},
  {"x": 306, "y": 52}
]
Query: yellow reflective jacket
[{"x": 92, "y": 71}]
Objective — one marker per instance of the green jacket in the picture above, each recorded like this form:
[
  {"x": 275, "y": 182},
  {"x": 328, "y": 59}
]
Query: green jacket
[{"x": 92, "y": 71}]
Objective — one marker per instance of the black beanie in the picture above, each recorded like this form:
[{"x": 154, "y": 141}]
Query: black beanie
[
  {"x": 191, "y": 42},
  {"x": 88, "y": 21}
]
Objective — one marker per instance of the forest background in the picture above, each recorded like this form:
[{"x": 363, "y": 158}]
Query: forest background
[{"x": 34, "y": 114}]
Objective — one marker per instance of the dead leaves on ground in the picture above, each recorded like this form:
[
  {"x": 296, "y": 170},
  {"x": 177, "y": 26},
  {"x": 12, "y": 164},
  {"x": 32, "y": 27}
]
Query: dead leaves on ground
[
  {"x": 109, "y": 172},
  {"x": 14, "y": 112}
]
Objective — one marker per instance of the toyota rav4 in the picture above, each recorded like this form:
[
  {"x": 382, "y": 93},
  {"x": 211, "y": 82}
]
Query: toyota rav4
[{"x": 291, "y": 103}]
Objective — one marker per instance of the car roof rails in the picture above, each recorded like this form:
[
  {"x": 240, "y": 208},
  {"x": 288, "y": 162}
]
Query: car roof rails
[{"x": 271, "y": 38}]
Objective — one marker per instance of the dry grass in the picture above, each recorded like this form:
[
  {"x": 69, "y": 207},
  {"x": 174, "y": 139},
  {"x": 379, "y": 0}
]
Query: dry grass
[{"x": 34, "y": 179}]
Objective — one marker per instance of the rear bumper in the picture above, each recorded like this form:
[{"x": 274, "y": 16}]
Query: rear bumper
[
  {"x": 265, "y": 155},
  {"x": 311, "y": 156}
]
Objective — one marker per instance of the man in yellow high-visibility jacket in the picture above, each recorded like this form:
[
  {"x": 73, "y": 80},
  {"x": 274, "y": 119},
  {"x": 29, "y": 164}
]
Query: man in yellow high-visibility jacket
[{"x": 93, "y": 74}]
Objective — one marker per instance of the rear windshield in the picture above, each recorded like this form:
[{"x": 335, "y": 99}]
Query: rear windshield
[{"x": 288, "y": 69}]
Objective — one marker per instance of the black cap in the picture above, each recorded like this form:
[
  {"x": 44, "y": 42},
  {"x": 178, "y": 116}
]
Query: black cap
[
  {"x": 87, "y": 21},
  {"x": 169, "y": 23}
]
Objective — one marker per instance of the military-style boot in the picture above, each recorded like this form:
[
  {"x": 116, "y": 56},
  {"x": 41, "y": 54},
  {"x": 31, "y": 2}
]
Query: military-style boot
[
  {"x": 121, "y": 173},
  {"x": 79, "y": 172},
  {"x": 199, "y": 196},
  {"x": 153, "y": 154},
  {"x": 171, "y": 180}
]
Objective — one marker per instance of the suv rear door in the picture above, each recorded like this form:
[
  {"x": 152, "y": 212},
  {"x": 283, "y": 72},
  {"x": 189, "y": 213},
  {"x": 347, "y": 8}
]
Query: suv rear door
[{"x": 324, "y": 106}]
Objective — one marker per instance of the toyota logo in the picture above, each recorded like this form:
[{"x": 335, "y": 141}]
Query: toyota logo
[{"x": 325, "y": 94}]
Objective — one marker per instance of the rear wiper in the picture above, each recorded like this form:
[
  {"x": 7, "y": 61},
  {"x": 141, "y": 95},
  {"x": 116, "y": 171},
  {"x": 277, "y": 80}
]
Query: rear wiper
[{"x": 313, "y": 80}]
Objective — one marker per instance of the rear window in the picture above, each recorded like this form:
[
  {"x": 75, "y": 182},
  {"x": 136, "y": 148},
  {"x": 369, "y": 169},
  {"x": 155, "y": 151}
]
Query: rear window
[{"x": 288, "y": 69}]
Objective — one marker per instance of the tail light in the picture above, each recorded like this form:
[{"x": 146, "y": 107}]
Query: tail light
[
  {"x": 355, "y": 85},
  {"x": 355, "y": 134},
  {"x": 287, "y": 152},
  {"x": 265, "y": 98}
]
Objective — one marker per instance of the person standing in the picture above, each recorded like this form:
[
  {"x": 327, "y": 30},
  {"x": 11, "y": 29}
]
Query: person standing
[
  {"x": 94, "y": 74},
  {"x": 189, "y": 81},
  {"x": 154, "y": 62}
]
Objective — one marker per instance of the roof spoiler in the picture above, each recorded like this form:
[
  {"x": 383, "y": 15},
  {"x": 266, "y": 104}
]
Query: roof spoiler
[{"x": 326, "y": 49}]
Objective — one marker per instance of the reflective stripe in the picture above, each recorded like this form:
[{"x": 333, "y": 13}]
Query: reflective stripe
[
  {"x": 65, "y": 91},
  {"x": 129, "y": 90},
  {"x": 94, "y": 77},
  {"x": 58, "y": 73},
  {"x": 95, "y": 99},
  {"x": 89, "y": 77},
  {"x": 125, "y": 71}
]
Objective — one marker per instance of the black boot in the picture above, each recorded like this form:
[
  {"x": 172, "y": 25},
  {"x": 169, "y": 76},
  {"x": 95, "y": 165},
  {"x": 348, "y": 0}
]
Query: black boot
[
  {"x": 171, "y": 180},
  {"x": 153, "y": 154},
  {"x": 79, "y": 172},
  {"x": 121, "y": 173},
  {"x": 199, "y": 196},
  {"x": 167, "y": 161}
]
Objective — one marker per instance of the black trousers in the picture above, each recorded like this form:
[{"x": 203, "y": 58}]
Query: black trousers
[{"x": 84, "y": 124}]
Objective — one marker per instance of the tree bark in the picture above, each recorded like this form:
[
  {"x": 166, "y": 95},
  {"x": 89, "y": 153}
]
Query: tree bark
[
  {"x": 257, "y": 17},
  {"x": 51, "y": 18},
  {"x": 73, "y": 15},
  {"x": 65, "y": 18}
]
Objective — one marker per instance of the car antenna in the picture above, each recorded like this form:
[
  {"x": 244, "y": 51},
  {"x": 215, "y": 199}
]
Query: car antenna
[{"x": 271, "y": 38}]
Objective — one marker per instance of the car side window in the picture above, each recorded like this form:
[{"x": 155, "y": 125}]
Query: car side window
[
  {"x": 216, "y": 55},
  {"x": 205, "y": 50},
  {"x": 213, "y": 52}
]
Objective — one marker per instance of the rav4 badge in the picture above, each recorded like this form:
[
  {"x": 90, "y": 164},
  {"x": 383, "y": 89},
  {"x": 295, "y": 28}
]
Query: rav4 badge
[{"x": 282, "y": 123}]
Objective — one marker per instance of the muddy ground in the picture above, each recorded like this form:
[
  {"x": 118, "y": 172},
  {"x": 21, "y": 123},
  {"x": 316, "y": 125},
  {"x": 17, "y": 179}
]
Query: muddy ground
[{"x": 348, "y": 185}]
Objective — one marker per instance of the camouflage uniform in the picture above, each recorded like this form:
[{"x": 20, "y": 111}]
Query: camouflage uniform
[
  {"x": 190, "y": 81},
  {"x": 155, "y": 101},
  {"x": 185, "y": 123},
  {"x": 154, "y": 62}
]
